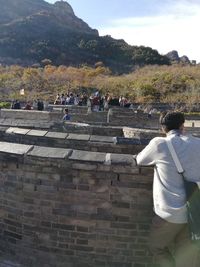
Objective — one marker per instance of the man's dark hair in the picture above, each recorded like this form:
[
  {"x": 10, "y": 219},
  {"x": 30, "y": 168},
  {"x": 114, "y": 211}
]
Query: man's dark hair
[{"x": 171, "y": 120}]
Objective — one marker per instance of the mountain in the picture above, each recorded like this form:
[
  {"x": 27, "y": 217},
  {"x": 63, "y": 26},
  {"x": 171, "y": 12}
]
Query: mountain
[{"x": 34, "y": 30}]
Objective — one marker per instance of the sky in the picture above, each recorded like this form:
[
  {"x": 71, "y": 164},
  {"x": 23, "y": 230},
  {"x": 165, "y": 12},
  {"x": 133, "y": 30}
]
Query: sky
[{"x": 164, "y": 25}]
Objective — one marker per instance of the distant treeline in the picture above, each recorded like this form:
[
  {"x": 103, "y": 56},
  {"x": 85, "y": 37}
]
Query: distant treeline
[{"x": 165, "y": 84}]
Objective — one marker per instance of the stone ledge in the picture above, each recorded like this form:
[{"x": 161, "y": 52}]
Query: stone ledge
[
  {"x": 50, "y": 152},
  {"x": 16, "y": 130},
  {"x": 88, "y": 156},
  {"x": 37, "y": 133},
  {"x": 81, "y": 137},
  {"x": 57, "y": 135},
  {"x": 17, "y": 149},
  {"x": 63, "y": 153}
]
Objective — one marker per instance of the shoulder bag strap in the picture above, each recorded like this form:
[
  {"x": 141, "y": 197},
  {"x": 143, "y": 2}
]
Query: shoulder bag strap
[{"x": 174, "y": 156}]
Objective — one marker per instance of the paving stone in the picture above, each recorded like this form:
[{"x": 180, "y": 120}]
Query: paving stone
[
  {"x": 50, "y": 152},
  {"x": 56, "y": 135},
  {"x": 14, "y": 148},
  {"x": 88, "y": 156},
  {"x": 84, "y": 137},
  {"x": 37, "y": 133}
]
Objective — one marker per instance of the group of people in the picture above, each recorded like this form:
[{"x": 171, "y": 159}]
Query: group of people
[
  {"x": 36, "y": 105},
  {"x": 71, "y": 99},
  {"x": 96, "y": 101}
]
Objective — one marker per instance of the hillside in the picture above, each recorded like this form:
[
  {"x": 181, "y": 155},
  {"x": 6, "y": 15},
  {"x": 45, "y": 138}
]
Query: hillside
[{"x": 31, "y": 31}]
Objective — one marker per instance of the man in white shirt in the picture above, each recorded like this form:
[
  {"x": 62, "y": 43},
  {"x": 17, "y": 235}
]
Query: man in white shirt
[{"x": 169, "y": 237}]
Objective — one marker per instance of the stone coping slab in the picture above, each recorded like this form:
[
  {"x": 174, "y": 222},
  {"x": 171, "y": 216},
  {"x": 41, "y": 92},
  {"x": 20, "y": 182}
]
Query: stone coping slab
[
  {"x": 88, "y": 156},
  {"x": 79, "y": 137},
  {"x": 17, "y": 130},
  {"x": 61, "y": 135},
  {"x": 70, "y": 154},
  {"x": 13, "y": 148},
  {"x": 58, "y": 135},
  {"x": 83, "y": 137},
  {"x": 37, "y": 133},
  {"x": 50, "y": 152}
]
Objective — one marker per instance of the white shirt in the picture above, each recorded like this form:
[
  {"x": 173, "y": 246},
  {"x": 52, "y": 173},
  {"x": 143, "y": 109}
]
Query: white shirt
[{"x": 168, "y": 188}]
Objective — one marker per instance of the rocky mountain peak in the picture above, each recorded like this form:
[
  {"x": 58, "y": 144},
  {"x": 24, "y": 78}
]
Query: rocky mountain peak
[
  {"x": 34, "y": 30},
  {"x": 173, "y": 55},
  {"x": 175, "y": 58},
  {"x": 63, "y": 8}
]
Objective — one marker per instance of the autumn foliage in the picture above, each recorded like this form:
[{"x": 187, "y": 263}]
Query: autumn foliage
[{"x": 170, "y": 84}]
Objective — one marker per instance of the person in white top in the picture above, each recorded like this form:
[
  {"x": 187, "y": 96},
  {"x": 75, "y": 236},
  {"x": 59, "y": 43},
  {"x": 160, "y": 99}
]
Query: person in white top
[{"x": 169, "y": 236}]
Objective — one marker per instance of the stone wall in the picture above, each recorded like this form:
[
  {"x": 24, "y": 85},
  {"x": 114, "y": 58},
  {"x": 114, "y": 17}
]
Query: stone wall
[
  {"x": 108, "y": 130},
  {"x": 95, "y": 143},
  {"x": 128, "y": 117},
  {"x": 130, "y": 132},
  {"x": 114, "y": 117},
  {"x": 72, "y": 208},
  {"x": 30, "y": 118},
  {"x": 53, "y": 119},
  {"x": 73, "y": 109}
]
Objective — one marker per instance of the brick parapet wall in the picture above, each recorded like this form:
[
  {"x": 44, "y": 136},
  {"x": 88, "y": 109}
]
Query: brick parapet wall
[
  {"x": 73, "y": 208},
  {"x": 128, "y": 117},
  {"x": 30, "y": 118},
  {"x": 86, "y": 142},
  {"x": 115, "y": 116},
  {"x": 46, "y": 119}
]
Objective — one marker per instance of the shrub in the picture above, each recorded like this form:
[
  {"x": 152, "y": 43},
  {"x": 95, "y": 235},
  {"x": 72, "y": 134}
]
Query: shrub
[{"x": 4, "y": 105}]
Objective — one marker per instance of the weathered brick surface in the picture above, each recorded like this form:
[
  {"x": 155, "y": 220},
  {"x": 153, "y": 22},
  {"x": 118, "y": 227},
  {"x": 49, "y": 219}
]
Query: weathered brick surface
[{"x": 74, "y": 210}]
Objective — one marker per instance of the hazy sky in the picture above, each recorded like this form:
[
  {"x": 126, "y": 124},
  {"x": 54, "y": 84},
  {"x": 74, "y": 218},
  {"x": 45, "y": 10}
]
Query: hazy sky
[{"x": 164, "y": 25}]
